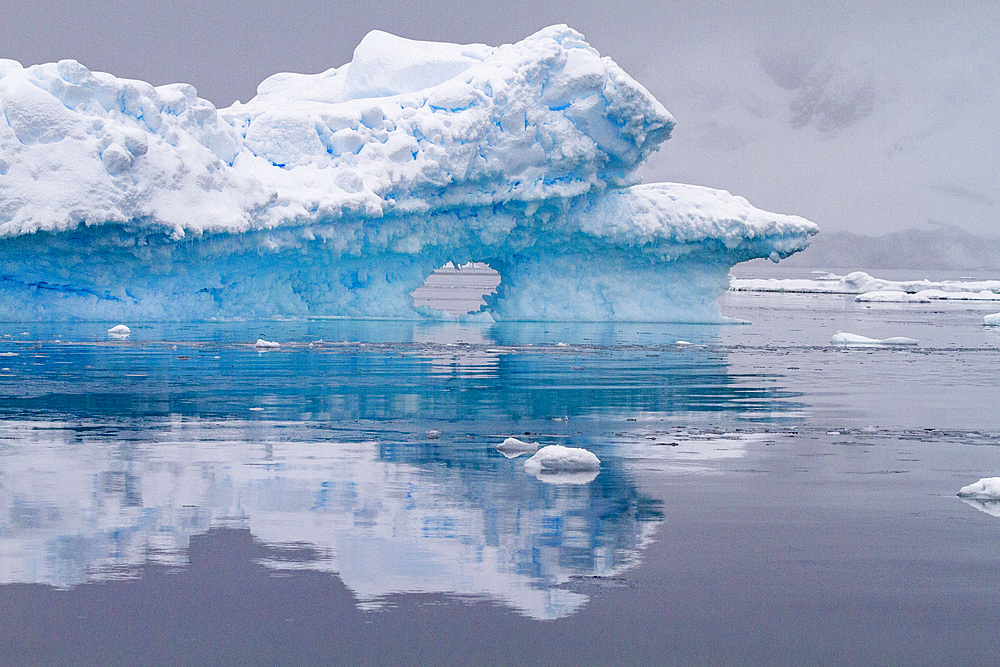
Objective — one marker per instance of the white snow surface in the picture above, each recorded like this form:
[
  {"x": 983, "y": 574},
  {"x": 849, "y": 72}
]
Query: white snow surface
[
  {"x": 843, "y": 338},
  {"x": 336, "y": 194},
  {"x": 871, "y": 289},
  {"x": 988, "y": 488},
  {"x": 557, "y": 459}
]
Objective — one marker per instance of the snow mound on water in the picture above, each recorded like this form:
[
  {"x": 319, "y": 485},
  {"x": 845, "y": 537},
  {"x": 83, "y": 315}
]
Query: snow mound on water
[
  {"x": 512, "y": 447},
  {"x": 988, "y": 488},
  {"x": 843, "y": 338},
  {"x": 559, "y": 459}
]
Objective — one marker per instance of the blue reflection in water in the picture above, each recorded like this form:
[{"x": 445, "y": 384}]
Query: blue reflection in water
[{"x": 368, "y": 445}]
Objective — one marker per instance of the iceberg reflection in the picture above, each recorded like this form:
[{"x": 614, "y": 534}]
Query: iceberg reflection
[{"x": 90, "y": 502}]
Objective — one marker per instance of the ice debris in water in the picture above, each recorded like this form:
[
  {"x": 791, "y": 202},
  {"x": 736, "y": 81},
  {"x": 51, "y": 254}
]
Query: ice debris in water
[
  {"x": 556, "y": 464},
  {"x": 336, "y": 194},
  {"x": 266, "y": 344},
  {"x": 872, "y": 289},
  {"x": 987, "y": 488},
  {"x": 119, "y": 331},
  {"x": 512, "y": 447},
  {"x": 992, "y": 320},
  {"x": 843, "y": 338},
  {"x": 559, "y": 459}
]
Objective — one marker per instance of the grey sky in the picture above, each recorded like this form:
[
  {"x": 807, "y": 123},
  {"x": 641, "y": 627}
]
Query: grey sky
[{"x": 869, "y": 117}]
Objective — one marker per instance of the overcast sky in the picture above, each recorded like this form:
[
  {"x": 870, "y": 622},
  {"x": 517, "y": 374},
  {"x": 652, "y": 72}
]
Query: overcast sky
[{"x": 867, "y": 117}]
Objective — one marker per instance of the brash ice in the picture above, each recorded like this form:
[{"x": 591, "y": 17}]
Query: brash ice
[{"x": 336, "y": 194}]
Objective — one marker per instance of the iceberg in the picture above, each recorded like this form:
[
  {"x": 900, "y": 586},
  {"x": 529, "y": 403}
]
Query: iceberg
[{"x": 336, "y": 194}]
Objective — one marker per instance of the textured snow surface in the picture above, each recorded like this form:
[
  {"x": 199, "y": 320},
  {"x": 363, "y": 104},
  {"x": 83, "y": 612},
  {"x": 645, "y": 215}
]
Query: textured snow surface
[
  {"x": 843, "y": 338},
  {"x": 871, "y": 289},
  {"x": 987, "y": 488},
  {"x": 336, "y": 194}
]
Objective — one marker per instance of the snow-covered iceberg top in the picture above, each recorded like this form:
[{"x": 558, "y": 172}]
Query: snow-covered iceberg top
[{"x": 335, "y": 194}]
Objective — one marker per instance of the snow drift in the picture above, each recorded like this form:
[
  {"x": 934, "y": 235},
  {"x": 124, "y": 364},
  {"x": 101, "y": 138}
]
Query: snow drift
[{"x": 336, "y": 194}]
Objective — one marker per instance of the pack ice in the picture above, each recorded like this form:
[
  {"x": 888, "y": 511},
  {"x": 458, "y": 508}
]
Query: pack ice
[{"x": 336, "y": 194}]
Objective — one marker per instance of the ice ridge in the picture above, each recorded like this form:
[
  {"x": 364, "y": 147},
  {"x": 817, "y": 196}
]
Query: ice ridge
[{"x": 336, "y": 194}]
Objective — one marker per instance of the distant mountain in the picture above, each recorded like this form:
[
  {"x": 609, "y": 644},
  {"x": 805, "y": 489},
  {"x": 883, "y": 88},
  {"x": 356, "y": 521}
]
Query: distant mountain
[{"x": 942, "y": 248}]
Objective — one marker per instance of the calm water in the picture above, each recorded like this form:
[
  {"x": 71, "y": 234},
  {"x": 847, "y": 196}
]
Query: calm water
[{"x": 763, "y": 496}]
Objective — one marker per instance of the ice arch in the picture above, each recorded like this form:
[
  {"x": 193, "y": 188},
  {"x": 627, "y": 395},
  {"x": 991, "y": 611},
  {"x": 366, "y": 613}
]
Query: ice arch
[{"x": 337, "y": 194}]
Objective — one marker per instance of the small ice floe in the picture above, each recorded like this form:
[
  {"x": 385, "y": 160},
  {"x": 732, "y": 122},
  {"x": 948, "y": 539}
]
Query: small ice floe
[
  {"x": 682, "y": 343},
  {"x": 988, "y": 488},
  {"x": 557, "y": 464},
  {"x": 992, "y": 320},
  {"x": 262, "y": 344},
  {"x": 433, "y": 434},
  {"x": 892, "y": 296},
  {"x": 512, "y": 447},
  {"x": 119, "y": 331},
  {"x": 984, "y": 495},
  {"x": 844, "y": 338}
]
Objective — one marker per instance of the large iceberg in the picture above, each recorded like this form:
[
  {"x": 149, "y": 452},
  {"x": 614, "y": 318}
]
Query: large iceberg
[{"x": 336, "y": 194}]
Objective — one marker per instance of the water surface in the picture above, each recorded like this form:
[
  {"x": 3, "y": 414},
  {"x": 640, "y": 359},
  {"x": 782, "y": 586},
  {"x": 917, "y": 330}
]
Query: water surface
[{"x": 763, "y": 496}]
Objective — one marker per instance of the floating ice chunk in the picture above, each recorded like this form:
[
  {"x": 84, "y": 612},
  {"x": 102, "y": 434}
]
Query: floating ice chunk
[
  {"x": 560, "y": 460},
  {"x": 682, "y": 343},
  {"x": 892, "y": 296},
  {"x": 262, "y": 344},
  {"x": 119, "y": 331},
  {"x": 992, "y": 320},
  {"x": 871, "y": 289},
  {"x": 512, "y": 447},
  {"x": 988, "y": 488},
  {"x": 843, "y": 338}
]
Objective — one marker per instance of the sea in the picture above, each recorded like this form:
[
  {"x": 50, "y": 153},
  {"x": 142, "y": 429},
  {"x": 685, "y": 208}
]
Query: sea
[{"x": 185, "y": 496}]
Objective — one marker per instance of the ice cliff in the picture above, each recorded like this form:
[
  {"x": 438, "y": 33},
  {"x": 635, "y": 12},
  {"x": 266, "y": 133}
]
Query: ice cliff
[{"x": 336, "y": 194}]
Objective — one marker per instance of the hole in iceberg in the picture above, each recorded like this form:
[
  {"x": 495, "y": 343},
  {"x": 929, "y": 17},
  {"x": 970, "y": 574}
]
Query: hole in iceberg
[{"x": 457, "y": 290}]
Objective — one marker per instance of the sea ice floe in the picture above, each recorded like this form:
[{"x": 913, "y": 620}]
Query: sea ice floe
[
  {"x": 871, "y": 289},
  {"x": 988, "y": 488},
  {"x": 844, "y": 338},
  {"x": 560, "y": 460},
  {"x": 512, "y": 447},
  {"x": 266, "y": 344},
  {"x": 992, "y": 320},
  {"x": 119, "y": 331}
]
